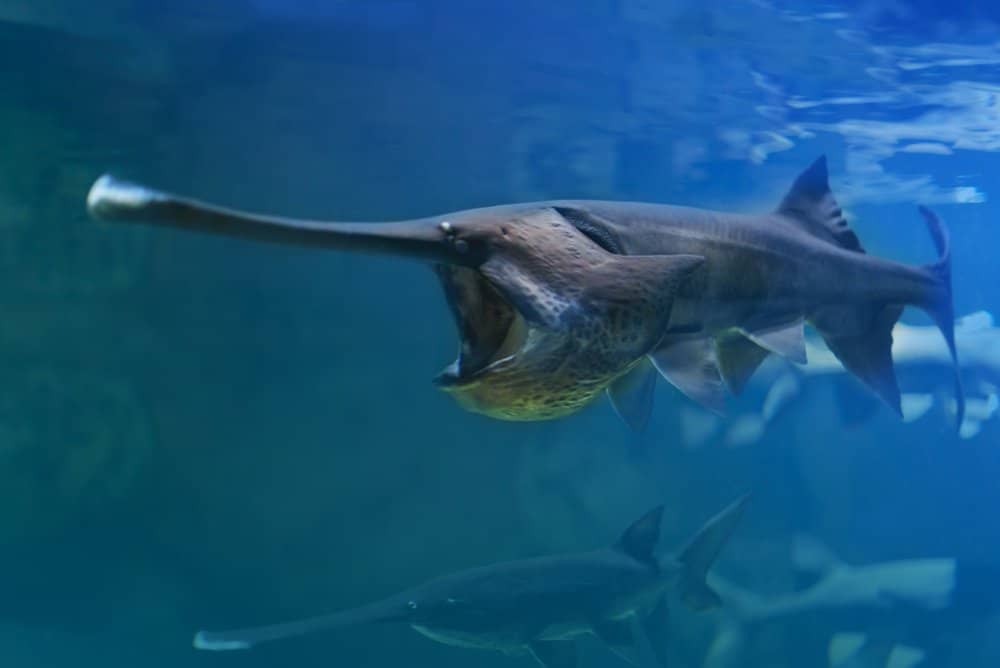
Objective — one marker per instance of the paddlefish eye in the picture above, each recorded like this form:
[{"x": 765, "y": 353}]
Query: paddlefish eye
[{"x": 461, "y": 246}]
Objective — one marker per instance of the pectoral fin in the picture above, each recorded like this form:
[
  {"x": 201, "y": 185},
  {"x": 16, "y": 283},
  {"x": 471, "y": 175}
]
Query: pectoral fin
[
  {"x": 632, "y": 395},
  {"x": 655, "y": 626},
  {"x": 689, "y": 365},
  {"x": 554, "y": 654}
]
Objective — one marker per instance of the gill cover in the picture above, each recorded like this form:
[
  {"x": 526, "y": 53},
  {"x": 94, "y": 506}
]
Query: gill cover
[{"x": 589, "y": 316}]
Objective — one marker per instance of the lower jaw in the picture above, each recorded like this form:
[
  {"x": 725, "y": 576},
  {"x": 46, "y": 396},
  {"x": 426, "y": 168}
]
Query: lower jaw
[{"x": 519, "y": 404}]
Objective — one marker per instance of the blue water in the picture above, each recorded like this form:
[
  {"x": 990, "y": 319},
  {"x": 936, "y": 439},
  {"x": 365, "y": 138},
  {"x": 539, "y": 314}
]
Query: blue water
[{"x": 200, "y": 432}]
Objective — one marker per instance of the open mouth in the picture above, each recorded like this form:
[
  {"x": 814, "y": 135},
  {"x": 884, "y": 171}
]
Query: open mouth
[{"x": 489, "y": 328}]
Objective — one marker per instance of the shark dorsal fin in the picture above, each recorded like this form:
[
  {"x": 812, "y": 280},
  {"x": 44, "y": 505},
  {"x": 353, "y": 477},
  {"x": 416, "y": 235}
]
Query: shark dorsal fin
[
  {"x": 810, "y": 203},
  {"x": 640, "y": 539}
]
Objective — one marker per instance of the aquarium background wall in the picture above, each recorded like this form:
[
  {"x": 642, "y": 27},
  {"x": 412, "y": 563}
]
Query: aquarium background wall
[{"x": 198, "y": 432}]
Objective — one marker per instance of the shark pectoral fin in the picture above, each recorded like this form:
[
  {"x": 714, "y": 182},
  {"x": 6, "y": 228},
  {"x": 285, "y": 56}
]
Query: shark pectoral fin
[
  {"x": 810, "y": 555},
  {"x": 977, "y": 321},
  {"x": 655, "y": 625},
  {"x": 851, "y": 648},
  {"x": 787, "y": 340},
  {"x": 701, "y": 552},
  {"x": 915, "y": 405},
  {"x": 689, "y": 365},
  {"x": 632, "y": 395},
  {"x": 738, "y": 357},
  {"x": 970, "y": 428},
  {"x": 905, "y": 656},
  {"x": 554, "y": 653},
  {"x": 640, "y": 539},
  {"x": 617, "y": 634},
  {"x": 861, "y": 338},
  {"x": 843, "y": 647}
]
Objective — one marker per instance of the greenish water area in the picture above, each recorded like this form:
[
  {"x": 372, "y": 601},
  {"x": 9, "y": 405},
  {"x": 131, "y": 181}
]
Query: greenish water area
[{"x": 203, "y": 432}]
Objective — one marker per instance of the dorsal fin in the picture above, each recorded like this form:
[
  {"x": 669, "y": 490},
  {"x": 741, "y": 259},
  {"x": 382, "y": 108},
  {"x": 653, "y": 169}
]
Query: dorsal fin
[
  {"x": 640, "y": 539},
  {"x": 811, "y": 204}
]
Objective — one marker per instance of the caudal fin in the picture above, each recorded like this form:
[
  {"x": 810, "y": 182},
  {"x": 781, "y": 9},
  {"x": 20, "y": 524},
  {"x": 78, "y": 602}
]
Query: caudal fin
[
  {"x": 860, "y": 335},
  {"x": 701, "y": 552},
  {"x": 939, "y": 304}
]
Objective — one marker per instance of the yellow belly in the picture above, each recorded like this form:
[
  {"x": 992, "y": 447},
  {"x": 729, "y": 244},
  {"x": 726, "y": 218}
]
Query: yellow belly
[{"x": 526, "y": 397}]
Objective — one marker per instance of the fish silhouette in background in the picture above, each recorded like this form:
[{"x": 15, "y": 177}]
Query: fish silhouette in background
[
  {"x": 561, "y": 300},
  {"x": 893, "y": 614},
  {"x": 920, "y": 356},
  {"x": 538, "y": 606}
]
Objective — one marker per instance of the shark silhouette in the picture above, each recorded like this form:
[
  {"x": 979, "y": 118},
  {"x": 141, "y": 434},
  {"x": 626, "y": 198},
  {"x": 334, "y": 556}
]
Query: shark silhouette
[
  {"x": 538, "y": 606},
  {"x": 919, "y": 354},
  {"x": 558, "y": 301},
  {"x": 893, "y": 614}
]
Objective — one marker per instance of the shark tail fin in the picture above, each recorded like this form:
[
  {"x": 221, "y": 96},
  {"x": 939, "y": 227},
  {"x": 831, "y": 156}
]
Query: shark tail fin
[
  {"x": 939, "y": 303},
  {"x": 850, "y": 648},
  {"x": 811, "y": 555},
  {"x": 701, "y": 552}
]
